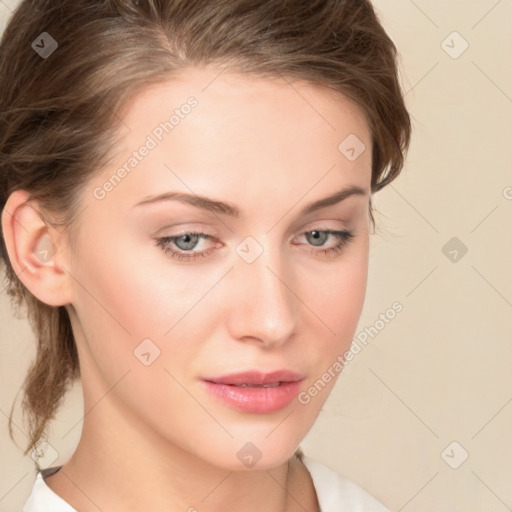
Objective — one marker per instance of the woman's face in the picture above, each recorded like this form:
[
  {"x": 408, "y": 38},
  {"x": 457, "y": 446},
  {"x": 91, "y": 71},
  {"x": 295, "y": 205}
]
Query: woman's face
[{"x": 264, "y": 286}]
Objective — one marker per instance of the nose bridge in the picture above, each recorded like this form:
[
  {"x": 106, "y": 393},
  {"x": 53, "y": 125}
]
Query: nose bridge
[{"x": 265, "y": 307}]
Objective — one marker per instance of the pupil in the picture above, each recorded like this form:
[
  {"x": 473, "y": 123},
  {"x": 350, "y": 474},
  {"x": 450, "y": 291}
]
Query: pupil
[
  {"x": 190, "y": 241},
  {"x": 318, "y": 236}
]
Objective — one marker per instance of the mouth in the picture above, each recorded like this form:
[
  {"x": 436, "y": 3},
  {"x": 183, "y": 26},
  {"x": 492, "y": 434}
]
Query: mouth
[{"x": 254, "y": 392}]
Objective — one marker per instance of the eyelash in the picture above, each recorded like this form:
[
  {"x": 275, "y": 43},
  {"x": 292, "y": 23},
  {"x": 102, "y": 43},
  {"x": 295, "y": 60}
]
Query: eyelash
[{"x": 344, "y": 236}]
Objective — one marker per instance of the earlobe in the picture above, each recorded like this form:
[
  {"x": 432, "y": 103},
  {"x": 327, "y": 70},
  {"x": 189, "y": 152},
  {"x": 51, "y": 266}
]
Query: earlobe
[{"x": 31, "y": 251}]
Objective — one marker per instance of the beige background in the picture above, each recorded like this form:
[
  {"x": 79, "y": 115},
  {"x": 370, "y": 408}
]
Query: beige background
[{"x": 438, "y": 372}]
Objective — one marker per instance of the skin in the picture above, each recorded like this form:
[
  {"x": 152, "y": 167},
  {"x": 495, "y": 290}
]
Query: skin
[{"x": 152, "y": 437}]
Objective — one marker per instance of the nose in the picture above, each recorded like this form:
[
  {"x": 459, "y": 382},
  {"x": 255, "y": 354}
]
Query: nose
[{"x": 262, "y": 305}]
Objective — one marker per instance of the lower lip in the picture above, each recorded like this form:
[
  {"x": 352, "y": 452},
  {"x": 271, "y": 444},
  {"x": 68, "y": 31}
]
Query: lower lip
[{"x": 255, "y": 400}]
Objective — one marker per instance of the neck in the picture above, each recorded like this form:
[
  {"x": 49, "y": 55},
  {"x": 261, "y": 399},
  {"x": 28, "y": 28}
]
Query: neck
[{"x": 119, "y": 466}]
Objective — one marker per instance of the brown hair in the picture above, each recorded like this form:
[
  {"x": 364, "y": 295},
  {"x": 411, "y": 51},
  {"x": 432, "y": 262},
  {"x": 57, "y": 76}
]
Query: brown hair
[{"x": 58, "y": 114}]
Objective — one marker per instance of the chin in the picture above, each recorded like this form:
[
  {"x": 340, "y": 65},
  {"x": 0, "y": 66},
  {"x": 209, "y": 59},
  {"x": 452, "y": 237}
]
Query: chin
[{"x": 253, "y": 454}]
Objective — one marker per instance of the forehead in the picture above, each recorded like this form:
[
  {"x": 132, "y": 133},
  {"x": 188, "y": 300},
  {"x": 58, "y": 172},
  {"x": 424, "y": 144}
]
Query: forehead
[
  {"x": 227, "y": 97},
  {"x": 212, "y": 131}
]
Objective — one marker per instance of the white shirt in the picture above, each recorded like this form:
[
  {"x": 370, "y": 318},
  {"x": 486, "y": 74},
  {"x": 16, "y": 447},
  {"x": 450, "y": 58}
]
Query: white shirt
[{"x": 336, "y": 493}]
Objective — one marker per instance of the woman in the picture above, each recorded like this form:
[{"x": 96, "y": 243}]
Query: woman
[{"x": 186, "y": 191}]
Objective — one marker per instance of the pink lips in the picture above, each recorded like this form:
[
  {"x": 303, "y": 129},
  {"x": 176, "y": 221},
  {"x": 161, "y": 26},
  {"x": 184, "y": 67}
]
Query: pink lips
[{"x": 283, "y": 387}]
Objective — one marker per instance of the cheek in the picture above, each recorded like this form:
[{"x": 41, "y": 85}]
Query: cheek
[
  {"x": 139, "y": 326},
  {"x": 132, "y": 295},
  {"x": 338, "y": 304},
  {"x": 131, "y": 289}
]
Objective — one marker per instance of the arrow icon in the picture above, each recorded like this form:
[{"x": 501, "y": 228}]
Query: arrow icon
[
  {"x": 247, "y": 252},
  {"x": 454, "y": 249},
  {"x": 454, "y": 253},
  {"x": 454, "y": 455},
  {"x": 44, "y": 45},
  {"x": 147, "y": 352},
  {"x": 249, "y": 455},
  {"x": 454, "y": 45},
  {"x": 351, "y": 147}
]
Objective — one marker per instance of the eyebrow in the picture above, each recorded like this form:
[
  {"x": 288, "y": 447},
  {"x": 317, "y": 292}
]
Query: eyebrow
[{"x": 221, "y": 207}]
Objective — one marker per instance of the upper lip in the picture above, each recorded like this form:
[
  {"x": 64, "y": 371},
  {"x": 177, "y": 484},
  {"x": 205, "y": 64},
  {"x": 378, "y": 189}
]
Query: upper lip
[{"x": 257, "y": 378}]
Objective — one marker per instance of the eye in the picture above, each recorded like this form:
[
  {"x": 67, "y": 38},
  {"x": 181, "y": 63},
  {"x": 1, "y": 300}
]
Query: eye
[
  {"x": 181, "y": 247},
  {"x": 319, "y": 236},
  {"x": 185, "y": 244}
]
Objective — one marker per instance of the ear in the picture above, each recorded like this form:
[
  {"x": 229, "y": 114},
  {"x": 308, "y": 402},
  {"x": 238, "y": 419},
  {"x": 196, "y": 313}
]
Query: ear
[{"x": 35, "y": 250}]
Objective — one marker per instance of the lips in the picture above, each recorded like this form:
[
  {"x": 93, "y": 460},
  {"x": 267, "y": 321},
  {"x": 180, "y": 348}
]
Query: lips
[
  {"x": 255, "y": 392},
  {"x": 256, "y": 378}
]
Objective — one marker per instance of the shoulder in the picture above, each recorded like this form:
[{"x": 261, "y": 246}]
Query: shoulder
[
  {"x": 43, "y": 499},
  {"x": 337, "y": 493}
]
